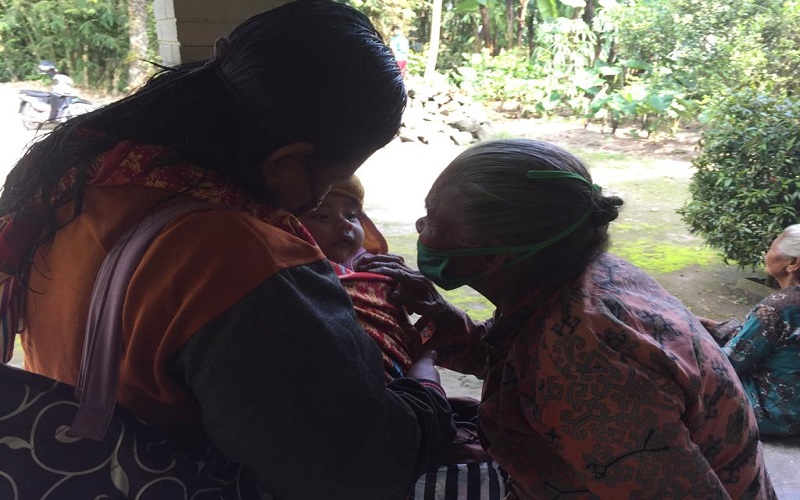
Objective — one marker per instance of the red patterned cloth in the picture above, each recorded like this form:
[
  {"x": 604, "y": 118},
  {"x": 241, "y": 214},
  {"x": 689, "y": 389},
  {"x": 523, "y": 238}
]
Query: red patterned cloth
[
  {"x": 386, "y": 323},
  {"x": 611, "y": 388},
  {"x": 126, "y": 163}
]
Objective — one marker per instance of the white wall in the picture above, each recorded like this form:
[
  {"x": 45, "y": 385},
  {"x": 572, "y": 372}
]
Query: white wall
[{"x": 187, "y": 28}]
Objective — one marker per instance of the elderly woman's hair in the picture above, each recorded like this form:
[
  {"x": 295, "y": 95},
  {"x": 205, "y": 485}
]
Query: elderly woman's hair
[
  {"x": 492, "y": 197},
  {"x": 789, "y": 245}
]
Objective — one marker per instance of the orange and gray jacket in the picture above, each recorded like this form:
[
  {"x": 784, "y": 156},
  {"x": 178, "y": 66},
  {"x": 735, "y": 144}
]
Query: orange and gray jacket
[{"x": 239, "y": 330}]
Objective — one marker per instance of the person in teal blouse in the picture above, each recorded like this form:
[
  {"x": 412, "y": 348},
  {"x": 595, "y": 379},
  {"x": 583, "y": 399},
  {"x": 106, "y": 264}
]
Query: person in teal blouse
[{"x": 766, "y": 351}]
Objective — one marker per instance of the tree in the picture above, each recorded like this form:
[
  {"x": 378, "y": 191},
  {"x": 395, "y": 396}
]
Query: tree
[
  {"x": 486, "y": 28},
  {"x": 86, "y": 39},
  {"x": 138, "y": 14},
  {"x": 511, "y": 21},
  {"x": 522, "y": 14},
  {"x": 707, "y": 48},
  {"x": 433, "y": 48},
  {"x": 746, "y": 188}
]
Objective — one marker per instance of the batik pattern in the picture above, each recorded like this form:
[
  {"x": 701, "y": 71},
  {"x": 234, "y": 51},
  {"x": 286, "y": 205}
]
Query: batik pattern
[
  {"x": 40, "y": 459},
  {"x": 612, "y": 389},
  {"x": 766, "y": 356},
  {"x": 385, "y": 322}
]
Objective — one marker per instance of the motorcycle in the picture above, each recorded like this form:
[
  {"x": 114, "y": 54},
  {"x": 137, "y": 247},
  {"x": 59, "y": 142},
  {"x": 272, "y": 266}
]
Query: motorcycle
[{"x": 37, "y": 107}]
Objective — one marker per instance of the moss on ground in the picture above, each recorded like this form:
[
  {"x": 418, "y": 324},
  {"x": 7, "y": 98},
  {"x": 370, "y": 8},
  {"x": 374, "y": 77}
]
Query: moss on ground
[{"x": 656, "y": 257}]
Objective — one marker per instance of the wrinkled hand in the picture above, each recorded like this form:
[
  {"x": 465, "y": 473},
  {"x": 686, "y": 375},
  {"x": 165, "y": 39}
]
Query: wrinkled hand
[
  {"x": 414, "y": 291},
  {"x": 709, "y": 324},
  {"x": 355, "y": 260},
  {"x": 418, "y": 295},
  {"x": 424, "y": 369}
]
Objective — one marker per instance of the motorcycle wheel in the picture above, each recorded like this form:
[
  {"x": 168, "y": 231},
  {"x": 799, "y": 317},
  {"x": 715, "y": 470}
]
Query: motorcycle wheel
[
  {"x": 76, "y": 109},
  {"x": 27, "y": 113}
]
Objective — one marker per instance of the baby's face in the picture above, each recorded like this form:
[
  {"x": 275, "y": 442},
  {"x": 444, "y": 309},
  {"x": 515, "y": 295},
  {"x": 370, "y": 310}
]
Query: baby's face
[{"x": 335, "y": 227}]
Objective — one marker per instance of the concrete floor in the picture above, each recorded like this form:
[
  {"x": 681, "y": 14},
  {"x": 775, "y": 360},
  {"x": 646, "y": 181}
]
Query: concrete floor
[{"x": 782, "y": 459}]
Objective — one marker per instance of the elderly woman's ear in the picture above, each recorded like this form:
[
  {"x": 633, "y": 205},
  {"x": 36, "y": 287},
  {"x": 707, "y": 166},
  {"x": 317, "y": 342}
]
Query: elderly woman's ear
[
  {"x": 793, "y": 266},
  {"x": 496, "y": 262}
]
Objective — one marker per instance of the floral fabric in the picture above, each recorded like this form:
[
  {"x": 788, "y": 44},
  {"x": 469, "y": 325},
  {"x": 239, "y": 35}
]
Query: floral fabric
[{"x": 766, "y": 355}]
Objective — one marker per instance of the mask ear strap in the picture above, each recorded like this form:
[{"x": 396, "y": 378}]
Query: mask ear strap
[{"x": 534, "y": 249}]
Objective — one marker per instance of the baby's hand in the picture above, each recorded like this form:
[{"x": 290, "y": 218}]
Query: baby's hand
[
  {"x": 709, "y": 324},
  {"x": 424, "y": 369}
]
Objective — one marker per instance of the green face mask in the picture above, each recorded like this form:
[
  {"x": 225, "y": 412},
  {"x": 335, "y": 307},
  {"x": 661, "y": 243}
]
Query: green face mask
[{"x": 432, "y": 263}]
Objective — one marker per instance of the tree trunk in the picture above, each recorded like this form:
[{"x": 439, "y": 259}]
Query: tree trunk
[
  {"x": 476, "y": 34},
  {"x": 510, "y": 23},
  {"x": 588, "y": 12},
  {"x": 531, "y": 28},
  {"x": 522, "y": 13},
  {"x": 137, "y": 33},
  {"x": 588, "y": 18},
  {"x": 486, "y": 28},
  {"x": 433, "y": 49}
]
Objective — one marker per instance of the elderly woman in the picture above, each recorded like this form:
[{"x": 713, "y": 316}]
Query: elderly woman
[
  {"x": 597, "y": 382},
  {"x": 766, "y": 349}
]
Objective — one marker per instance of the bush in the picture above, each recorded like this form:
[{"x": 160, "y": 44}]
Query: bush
[{"x": 746, "y": 189}]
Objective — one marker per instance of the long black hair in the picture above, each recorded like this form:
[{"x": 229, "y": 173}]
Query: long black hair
[{"x": 311, "y": 70}]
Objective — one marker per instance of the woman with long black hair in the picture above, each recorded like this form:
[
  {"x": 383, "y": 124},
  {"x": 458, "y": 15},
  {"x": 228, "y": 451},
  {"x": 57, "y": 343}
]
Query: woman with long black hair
[{"x": 234, "y": 325}]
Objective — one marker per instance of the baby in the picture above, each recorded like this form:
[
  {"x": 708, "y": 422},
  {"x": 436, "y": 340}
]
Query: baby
[{"x": 344, "y": 233}]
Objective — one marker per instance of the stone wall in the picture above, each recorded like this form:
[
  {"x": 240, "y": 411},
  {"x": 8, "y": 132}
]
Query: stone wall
[{"x": 440, "y": 114}]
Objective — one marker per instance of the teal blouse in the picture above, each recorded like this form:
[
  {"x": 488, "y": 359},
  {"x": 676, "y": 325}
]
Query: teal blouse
[{"x": 766, "y": 355}]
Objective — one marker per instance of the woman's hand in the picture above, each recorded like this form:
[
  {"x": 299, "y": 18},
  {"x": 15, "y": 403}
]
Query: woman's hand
[
  {"x": 414, "y": 291},
  {"x": 709, "y": 324},
  {"x": 424, "y": 369},
  {"x": 418, "y": 295}
]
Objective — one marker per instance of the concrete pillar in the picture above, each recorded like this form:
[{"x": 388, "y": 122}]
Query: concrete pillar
[{"x": 187, "y": 28}]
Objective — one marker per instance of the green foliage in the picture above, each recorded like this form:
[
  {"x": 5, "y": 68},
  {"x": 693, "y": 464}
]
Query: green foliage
[
  {"x": 87, "y": 39},
  {"x": 651, "y": 64},
  {"x": 712, "y": 47},
  {"x": 564, "y": 45},
  {"x": 648, "y": 63},
  {"x": 747, "y": 186},
  {"x": 385, "y": 14},
  {"x": 554, "y": 84},
  {"x": 651, "y": 108},
  {"x": 416, "y": 63},
  {"x": 509, "y": 75}
]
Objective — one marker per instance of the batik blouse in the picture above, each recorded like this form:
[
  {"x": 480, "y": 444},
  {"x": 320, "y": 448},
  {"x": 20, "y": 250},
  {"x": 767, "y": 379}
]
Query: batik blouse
[
  {"x": 766, "y": 356},
  {"x": 612, "y": 389}
]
